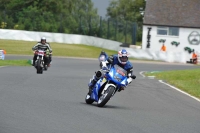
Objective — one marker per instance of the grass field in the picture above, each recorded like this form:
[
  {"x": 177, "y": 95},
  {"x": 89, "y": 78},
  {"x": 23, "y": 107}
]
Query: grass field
[
  {"x": 70, "y": 50},
  {"x": 186, "y": 80},
  {"x": 14, "y": 63}
]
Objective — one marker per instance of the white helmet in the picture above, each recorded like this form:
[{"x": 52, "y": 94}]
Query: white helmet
[
  {"x": 123, "y": 56},
  {"x": 43, "y": 39}
]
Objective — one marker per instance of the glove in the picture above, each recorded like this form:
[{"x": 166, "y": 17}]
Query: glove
[{"x": 104, "y": 66}]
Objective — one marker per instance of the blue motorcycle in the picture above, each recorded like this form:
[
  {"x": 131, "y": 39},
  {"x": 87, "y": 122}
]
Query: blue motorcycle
[{"x": 110, "y": 82}]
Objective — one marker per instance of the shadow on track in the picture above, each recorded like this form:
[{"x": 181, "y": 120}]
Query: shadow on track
[{"x": 107, "y": 106}]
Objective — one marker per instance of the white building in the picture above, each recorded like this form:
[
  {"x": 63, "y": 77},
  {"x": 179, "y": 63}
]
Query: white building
[{"x": 173, "y": 21}]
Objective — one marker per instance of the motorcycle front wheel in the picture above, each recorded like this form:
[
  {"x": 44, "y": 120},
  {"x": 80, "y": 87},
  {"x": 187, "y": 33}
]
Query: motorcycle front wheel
[
  {"x": 105, "y": 97},
  {"x": 39, "y": 68}
]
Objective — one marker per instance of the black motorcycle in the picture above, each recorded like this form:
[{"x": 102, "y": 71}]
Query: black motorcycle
[{"x": 39, "y": 63}]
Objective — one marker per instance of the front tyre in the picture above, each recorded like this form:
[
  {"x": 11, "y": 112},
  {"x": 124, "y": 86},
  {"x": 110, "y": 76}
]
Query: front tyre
[
  {"x": 88, "y": 100},
  {"x": 39, "y": 68},
  {"x": 105, "y": 97}
]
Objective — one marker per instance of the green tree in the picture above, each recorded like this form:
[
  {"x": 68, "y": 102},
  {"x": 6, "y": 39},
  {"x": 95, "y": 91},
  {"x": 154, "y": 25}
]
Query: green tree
[
  {"x": 129, "y": 10},
  {"x": 47, "y": 15},
  {"x": 126, "y": 12}
]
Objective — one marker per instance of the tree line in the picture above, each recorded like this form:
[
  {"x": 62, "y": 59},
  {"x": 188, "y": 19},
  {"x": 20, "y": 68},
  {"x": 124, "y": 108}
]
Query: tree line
[{"x": 72, "y": 17}]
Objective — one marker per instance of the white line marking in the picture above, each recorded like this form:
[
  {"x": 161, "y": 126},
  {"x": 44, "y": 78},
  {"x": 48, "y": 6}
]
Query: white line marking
[
  {"x": 151, "y": 77},
  {"x": 179, "y": 90},
  {"x": 195, "y": 98},
  {"x": 141, "y": 73}
]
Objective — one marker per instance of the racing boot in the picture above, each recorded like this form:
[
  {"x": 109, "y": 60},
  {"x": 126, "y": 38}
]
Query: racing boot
[
  {"x": 93, "y": 81},
  {"x": 91, "y": 84}
]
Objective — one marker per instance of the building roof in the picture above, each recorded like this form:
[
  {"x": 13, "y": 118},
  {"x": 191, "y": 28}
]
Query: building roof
[{"x": 179, "y": 13}]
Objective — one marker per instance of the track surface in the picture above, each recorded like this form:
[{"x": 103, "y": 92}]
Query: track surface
[{"x": 54, "y": 102}]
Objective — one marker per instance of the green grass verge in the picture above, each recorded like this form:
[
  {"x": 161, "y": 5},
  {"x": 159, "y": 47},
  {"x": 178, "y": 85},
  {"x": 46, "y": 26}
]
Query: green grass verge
[
  {"x": 70, "y": 50},
  {"x": 59, "y": 49},
  {"x": 186, "y": 80},
  {"x": 15, "y": 63}
]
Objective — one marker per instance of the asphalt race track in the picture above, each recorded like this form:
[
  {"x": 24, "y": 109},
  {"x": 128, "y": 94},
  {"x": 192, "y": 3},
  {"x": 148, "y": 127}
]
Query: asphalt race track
[{"x": 53, "y": 102}]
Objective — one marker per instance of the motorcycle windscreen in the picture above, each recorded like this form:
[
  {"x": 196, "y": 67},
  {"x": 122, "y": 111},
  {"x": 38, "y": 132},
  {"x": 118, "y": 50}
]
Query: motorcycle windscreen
[
  {"x": 118, "y": 74},
  {"x": 102, "y": 58}
]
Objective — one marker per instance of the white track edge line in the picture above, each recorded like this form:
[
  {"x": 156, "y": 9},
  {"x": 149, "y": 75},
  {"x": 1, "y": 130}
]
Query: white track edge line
[
  {"x": 141, "y": 73},
  {"x": 183, "y": 92}
]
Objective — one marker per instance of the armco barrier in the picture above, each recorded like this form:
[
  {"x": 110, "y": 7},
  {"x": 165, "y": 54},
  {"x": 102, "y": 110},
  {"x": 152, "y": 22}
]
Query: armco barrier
[{"x": 92, "y": 41}]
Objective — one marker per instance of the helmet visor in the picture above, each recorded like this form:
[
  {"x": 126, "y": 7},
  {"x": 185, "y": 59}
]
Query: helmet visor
[
  {"x": 43, "y": 41},
  {"x": 123, "y": 59}
]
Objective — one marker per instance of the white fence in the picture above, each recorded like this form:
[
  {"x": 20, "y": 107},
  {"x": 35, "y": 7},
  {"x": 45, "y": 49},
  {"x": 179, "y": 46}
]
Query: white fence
[
  {"x": 59, "y": 38},
  {"x": 93, "y": 41}
]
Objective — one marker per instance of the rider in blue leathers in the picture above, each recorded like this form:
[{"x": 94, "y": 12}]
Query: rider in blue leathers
[{"x": 120, "y": 59}]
